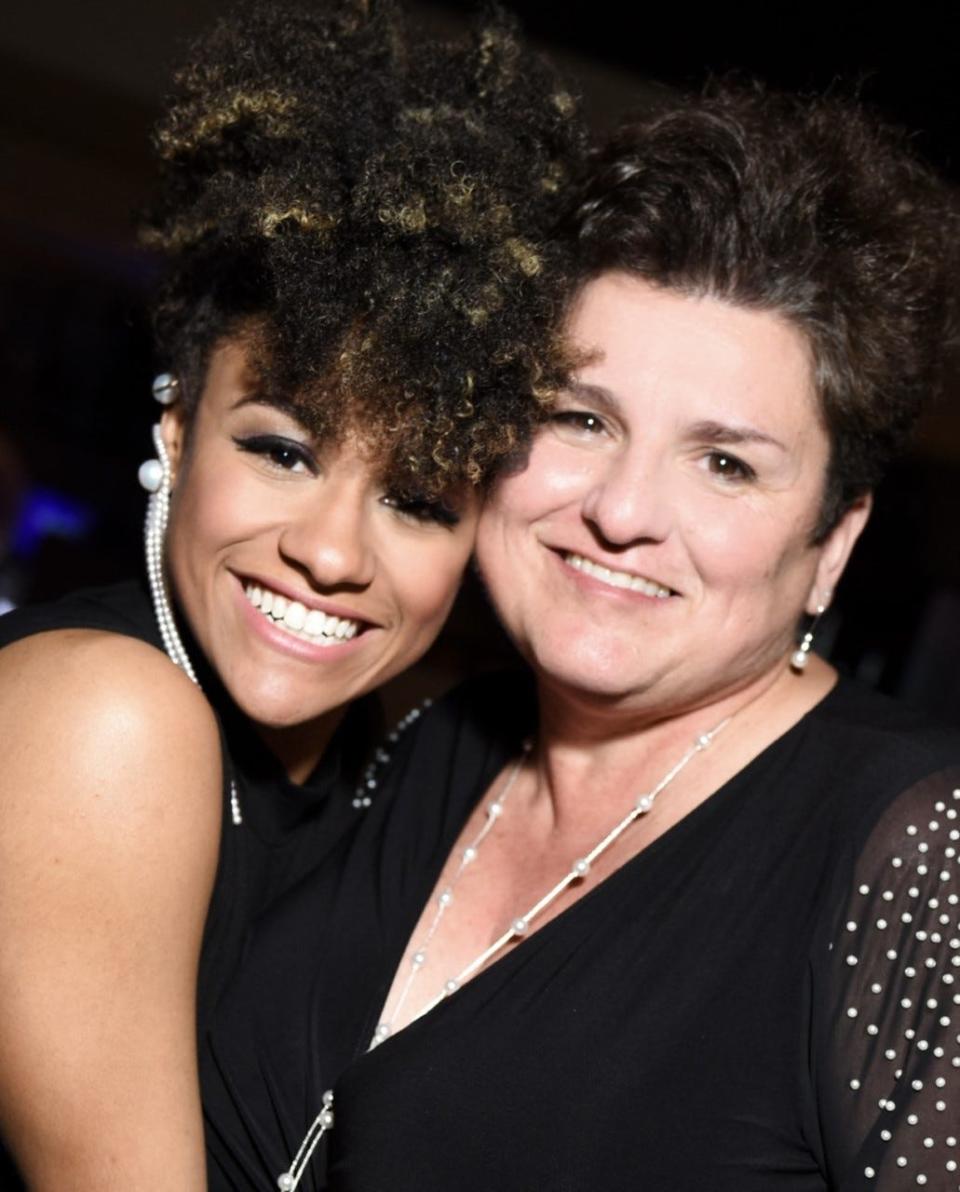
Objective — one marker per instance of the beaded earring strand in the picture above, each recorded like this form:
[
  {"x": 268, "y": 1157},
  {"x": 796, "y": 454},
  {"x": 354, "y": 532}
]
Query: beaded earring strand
[
  {"x": 155, "y": 477},
  {"x": 288, "y": 1180},
  {"x": 801, "y": 655}
]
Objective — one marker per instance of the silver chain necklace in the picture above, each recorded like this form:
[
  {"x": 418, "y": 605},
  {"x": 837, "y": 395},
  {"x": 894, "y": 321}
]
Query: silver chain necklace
[{"x": 288, "y": 1180}]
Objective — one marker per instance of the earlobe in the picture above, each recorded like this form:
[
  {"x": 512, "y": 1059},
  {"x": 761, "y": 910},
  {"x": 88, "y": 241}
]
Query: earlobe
[
  {"x": 836, "y": 551},
  {"x": 172, "y": 428}
]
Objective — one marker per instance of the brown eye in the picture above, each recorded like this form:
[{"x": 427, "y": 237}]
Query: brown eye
[{"x": 729, "y": 467}]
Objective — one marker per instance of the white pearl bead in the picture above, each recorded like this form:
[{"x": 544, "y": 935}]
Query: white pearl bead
[
  {"x": 326, "y": 1119},
  {"x": 452, "y": 985},
  {"x": 798, "y": 660},
  {"x": 285, "y": 1182},
  {"x": 519, "y": 926},
  {"x": 150, "y": 475},
  {"x": 581, "y": 867},
  {"x": 644, "y": 803}
]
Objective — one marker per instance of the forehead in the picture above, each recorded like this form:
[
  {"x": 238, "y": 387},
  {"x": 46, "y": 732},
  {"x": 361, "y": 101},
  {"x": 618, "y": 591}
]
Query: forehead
[{"x": 691, "y": 353}]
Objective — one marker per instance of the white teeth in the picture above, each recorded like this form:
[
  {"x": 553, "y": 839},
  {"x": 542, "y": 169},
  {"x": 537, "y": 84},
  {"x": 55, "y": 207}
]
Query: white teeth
[
  {"x": 311, "y": 624},
  {"x": 617, "y": 579},
  {"x": 296, "y": 615},
  {"x": 315, "y": 622}
]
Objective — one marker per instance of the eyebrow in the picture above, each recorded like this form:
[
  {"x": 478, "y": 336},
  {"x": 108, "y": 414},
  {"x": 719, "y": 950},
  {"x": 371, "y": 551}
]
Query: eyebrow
[
  {"x": 722, "y": 433},
  {"x": 284, "y": 405},
  {"x": 593, "y": 393},
  {"x": 727, "y": 435}
]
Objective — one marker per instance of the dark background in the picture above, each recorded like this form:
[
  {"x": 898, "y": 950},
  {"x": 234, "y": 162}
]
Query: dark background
[{"x": 80, "y": 85}]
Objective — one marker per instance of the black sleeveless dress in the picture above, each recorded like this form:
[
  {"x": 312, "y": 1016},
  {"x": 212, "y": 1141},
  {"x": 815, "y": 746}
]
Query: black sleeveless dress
[
  {"x": 286, "y": 830},
  {"x": 767, "y": 998}
]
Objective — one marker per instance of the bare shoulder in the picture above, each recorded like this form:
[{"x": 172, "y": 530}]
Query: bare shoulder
[
  {"x": 110, "y": 813},
  {"x": 104, "y": 726}
]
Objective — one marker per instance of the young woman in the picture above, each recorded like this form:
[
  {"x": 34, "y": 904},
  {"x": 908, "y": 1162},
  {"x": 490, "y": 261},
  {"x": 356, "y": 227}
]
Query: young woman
[{"x": 356, "y": 317}]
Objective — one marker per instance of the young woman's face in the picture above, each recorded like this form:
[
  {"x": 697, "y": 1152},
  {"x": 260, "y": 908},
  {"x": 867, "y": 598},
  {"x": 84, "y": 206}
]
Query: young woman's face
[
  {"x": 656, "y": 549},
  {"x": 304, "y": 580}
]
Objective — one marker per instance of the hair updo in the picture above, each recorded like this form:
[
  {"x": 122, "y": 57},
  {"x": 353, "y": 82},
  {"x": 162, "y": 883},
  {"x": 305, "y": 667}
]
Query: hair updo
[{"x": 371, "y": 214}]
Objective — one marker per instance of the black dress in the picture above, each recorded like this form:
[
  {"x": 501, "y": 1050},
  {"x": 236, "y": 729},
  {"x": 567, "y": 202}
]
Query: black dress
[
  {"x": 286, "y": 829},
  {"x": 766, "y": 998}
]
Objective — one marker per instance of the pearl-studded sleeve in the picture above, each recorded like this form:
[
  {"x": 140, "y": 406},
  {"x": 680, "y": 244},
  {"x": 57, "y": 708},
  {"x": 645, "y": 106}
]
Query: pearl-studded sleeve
[{"x": 886, "y": 1003}]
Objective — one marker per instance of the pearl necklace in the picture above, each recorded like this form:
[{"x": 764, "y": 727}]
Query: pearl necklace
[{"x": 288, "y": 1180}]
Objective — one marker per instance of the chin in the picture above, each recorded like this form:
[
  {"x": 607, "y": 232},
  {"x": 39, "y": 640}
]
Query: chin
[
  {"x": 592, "y": 668},
  {"x": 275, "y": 705}
]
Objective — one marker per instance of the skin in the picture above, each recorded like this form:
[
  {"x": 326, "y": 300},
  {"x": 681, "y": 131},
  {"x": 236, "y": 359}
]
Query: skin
[
  {"x": 101, "y": 925},
  {"x": 690, "y": 452}
]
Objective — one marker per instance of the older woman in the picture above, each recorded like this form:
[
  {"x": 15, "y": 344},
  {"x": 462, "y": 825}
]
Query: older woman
[
  {"x": 682, "y": 912},
  {"x": 357, "y": 311}
]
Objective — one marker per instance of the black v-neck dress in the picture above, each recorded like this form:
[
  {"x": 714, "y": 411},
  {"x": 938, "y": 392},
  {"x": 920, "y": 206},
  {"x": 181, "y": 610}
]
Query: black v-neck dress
[
  {"x": 766, "y": 998},
  {"x": 287, "y": 829}
]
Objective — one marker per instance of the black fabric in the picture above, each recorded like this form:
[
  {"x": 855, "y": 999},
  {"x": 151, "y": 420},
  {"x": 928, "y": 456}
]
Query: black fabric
[
  {"x": 765, "y": 998},
  {"x": 287, "y": 828}
]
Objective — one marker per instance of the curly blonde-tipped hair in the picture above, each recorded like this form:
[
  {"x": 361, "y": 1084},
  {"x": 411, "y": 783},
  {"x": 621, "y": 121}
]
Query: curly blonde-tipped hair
[{"x": 373, "y": 212}]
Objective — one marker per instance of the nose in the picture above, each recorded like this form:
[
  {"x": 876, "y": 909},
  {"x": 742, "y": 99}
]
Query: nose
[
  {"x": 627, "y": 501},
  {"x": 329, "y": 537}
]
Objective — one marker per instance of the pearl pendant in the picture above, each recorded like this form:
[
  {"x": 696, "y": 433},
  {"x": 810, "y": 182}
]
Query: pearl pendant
[
  {"x": 285, "y": 1182},
  {"x": 798, "y": 660}
]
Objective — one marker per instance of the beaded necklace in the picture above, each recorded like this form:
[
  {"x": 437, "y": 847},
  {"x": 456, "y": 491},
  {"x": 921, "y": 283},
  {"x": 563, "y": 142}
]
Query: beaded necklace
[{"x": 288, "y": 1180}]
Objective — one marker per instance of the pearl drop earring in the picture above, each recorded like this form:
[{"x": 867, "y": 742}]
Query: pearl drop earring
[
  {"x": 155, "y": 476},
  {"x": 801, "y": 655}
]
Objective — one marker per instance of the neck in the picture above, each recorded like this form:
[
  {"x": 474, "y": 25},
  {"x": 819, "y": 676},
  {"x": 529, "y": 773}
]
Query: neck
[
  {"x": 299, "y": 747},
  {"x": 591, "y": 745}
]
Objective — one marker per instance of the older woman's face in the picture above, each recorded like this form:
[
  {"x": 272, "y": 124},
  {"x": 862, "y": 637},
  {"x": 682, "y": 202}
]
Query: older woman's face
[
  {"x": 303, "y": 579},
  {"x": 657, "y": 544}
]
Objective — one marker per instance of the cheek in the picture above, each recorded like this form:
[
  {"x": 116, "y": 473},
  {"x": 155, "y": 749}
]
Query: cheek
[
  {"x": 739, "y": 549},
  {"x": 425, "y": 580},
  {"x": 554, "y": 477},
  {"x": 206, "y": 516}
]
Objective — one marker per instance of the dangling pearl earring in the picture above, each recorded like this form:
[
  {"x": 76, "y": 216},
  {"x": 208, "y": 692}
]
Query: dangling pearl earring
[
  {"x": 801, "y": 655},
  {"x": 155, "y": 476}
]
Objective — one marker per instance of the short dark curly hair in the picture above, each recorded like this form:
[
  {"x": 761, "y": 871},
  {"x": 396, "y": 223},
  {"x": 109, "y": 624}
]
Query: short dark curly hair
[
  {"x": 372, "y": 212},
  {"x": 806, "y": 207}
]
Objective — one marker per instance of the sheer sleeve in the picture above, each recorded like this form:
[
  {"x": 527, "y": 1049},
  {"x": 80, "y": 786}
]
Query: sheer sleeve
[{"x": 886, "y": 1003}]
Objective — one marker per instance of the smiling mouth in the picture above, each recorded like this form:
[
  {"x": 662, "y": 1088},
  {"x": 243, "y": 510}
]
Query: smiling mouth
[
  {"x": 616, "y": 579},
  {"x": 309, "y": 624}
]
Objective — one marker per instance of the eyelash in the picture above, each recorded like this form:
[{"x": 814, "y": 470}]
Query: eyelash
[
  {"x": 284, "y": 454},
  {"x": 582, "y": 420},
  {"x": 421, "y": 510}
]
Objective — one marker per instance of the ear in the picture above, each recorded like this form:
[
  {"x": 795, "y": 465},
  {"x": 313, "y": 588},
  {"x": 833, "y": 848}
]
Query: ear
[
  {"x": 173, "y": 428},
  {"x": 835, "y": 551}
]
